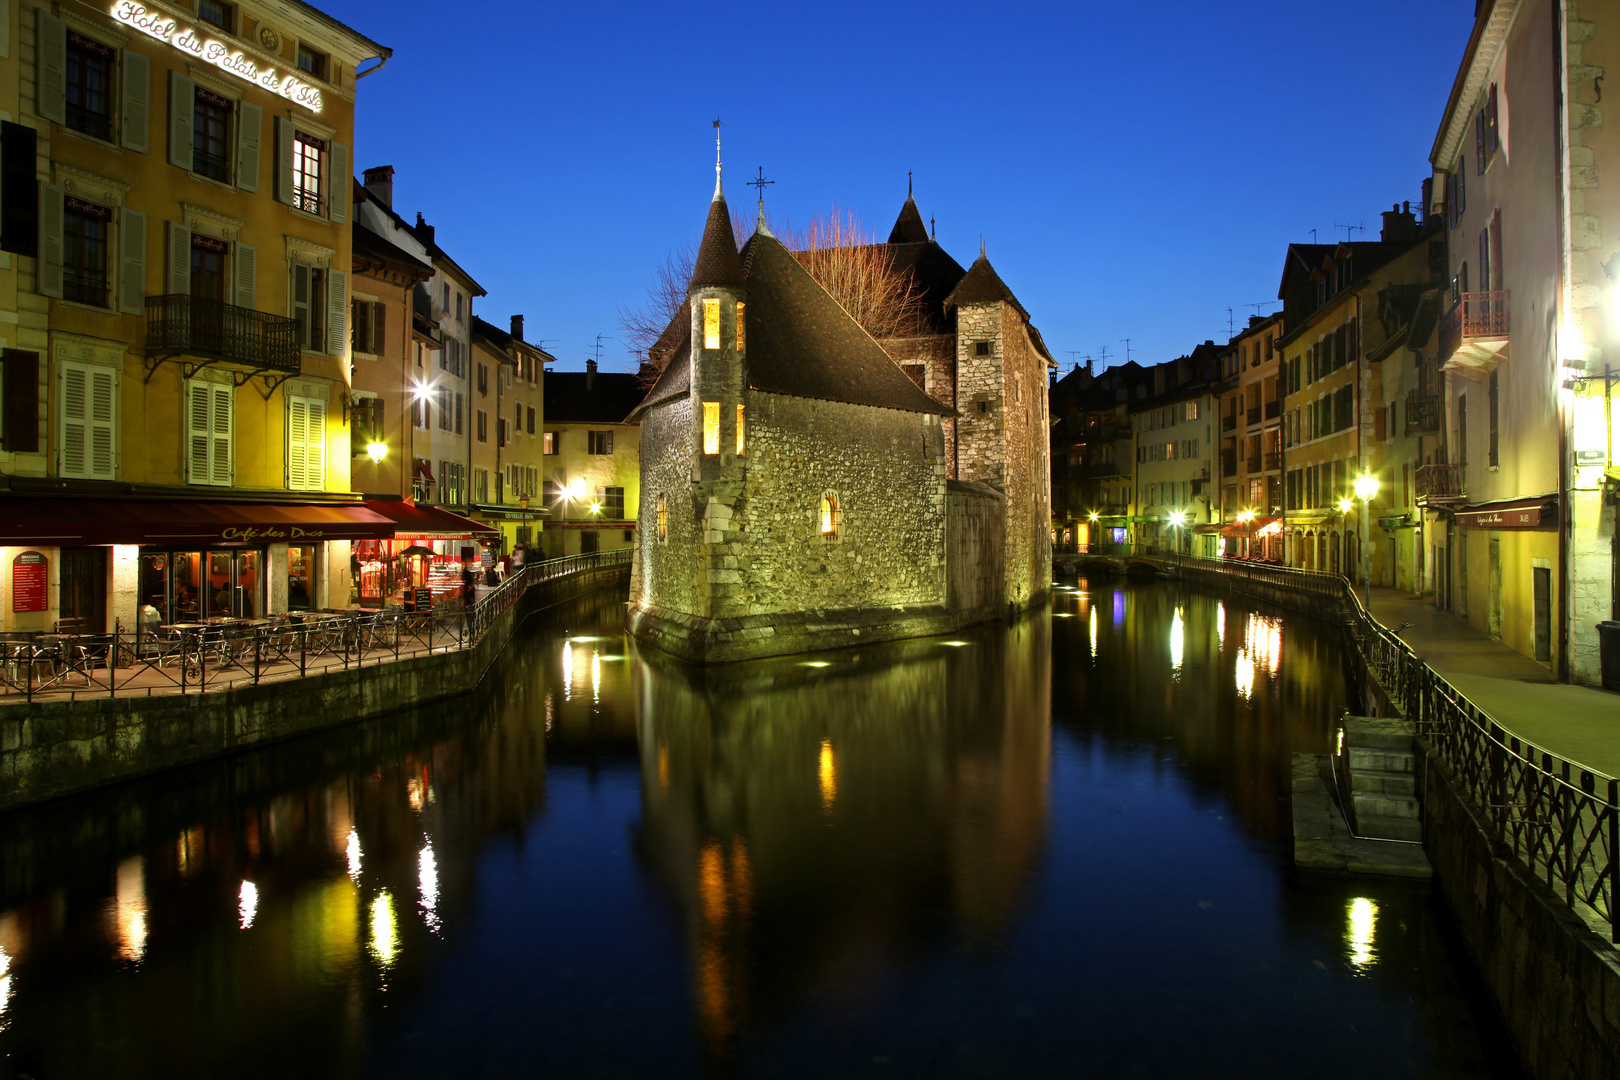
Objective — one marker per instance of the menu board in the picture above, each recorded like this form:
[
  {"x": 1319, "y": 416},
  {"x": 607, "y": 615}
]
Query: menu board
[
  {"x": 420, "y": 599},
  {"x": 30, "y": 582}
]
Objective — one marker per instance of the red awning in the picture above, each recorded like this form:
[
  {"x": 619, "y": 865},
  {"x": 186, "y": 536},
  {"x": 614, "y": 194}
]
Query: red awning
[
  {"x": 423, "y": 471},
  {"x": 414, "y": 522},
  {"x": 61, "y": 522},
  {"x": 1514, "y": 514},
  {"x": 1252, "y": 526}
]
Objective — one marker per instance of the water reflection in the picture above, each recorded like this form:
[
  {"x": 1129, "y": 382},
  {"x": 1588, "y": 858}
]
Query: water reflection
[
  {"x": 247, "y": 903},
  {"x": 1363, "y": 924}
]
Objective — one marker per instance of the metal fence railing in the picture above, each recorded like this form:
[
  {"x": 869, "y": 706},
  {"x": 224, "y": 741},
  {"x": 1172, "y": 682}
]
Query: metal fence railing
[
  {"x": 1559, "y": 818},
  {"x": 235, "y": 652}
]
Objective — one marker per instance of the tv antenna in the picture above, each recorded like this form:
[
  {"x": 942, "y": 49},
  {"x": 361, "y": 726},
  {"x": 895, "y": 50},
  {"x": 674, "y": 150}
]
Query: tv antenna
[
  {"x": 1231, "y": 327},
  {"x": 598, "y": 350},
  {"x": 1313, "y": 236},
  {"x": 1102, "y": 356},
  {"x": 1127, "y": 342},
  {"x": 1263, "y": 304},
  {"x": 1348, "y": 229}
]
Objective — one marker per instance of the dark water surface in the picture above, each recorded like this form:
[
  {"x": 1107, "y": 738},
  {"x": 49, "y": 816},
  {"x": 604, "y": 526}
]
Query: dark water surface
[{"x": 1055, "y": 849}]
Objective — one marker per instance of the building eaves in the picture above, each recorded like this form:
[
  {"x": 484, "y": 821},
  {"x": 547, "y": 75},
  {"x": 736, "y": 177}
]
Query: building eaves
[
  {"x": 360, "y": 43},
  {"x": 1485, "y": 44},
  {"x": 372, "y": 245}
]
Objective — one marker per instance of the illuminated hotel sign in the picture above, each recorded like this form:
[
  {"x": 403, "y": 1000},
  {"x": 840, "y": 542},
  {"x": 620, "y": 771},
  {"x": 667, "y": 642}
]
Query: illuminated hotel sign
[{"x": 187, "y": 40}]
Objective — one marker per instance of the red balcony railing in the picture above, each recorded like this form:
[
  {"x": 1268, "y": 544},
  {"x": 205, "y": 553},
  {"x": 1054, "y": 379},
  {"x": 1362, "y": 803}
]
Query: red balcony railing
[
  {"x": 1439, "y": 484},
  {"x": 1475, "y": 317}
]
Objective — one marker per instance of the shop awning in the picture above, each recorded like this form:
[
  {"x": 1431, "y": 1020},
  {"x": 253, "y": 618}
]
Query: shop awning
[
  {"x": 1535, "y": 513},
  {"x": 1209, "y": 528},
  {"x": 415, "y": 522},
  {"x": 1257, "y": 526},
  {"x": 56, "y": 522}
]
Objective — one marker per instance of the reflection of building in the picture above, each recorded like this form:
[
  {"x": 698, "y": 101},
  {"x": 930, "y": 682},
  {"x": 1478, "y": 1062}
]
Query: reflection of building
[
  {"x": 799, "y": 839},
  {"x": 591, "y": 464},
  {"x": 176, "y": 372}
]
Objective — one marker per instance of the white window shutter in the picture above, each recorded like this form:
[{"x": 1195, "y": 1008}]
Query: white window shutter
[
  {"x": 337, "y": 312},
  {"x": 137, "y": 99},
  {"x": 339, "y": 179},
  {"x": 246, "y": 274},
  {"x": 75, "y": 419},
  {"x": 315, "y": 447},
  {"x": 132, "y": 262},
  {"x": 103, "y": 423},
  {"x": 198, "y": 405},
  {"x": 51, "y": 90},
  {"x": 182, "y": 119},
  {"x": 179, "y": 283},
  {"x": 297, "y": 442},
  {"x": 50, "y": 240},
  {"x": 299, "y": 300},
  {"x": 284, "y": 160},
  {"x": 220, "y": 465},
  {"x": 249, "y": 134}
]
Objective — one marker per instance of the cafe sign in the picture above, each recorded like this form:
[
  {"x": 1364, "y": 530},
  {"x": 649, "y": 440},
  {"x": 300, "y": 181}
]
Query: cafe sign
[
  {"x": 1523, "y": 516},
  {"x": 188, "y": 40}
]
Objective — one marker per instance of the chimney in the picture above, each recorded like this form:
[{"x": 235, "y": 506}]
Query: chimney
[
  {"x": 1428, "y": 197},
  {"x": 590, "y": 373},
  {"x": 424, "y": 231},
  {"x": 380, "y": 183},
  {"x": 517, "y": 327},
  {"x": 1399, "y": 224},
  {"x": 646, "y": 372}
]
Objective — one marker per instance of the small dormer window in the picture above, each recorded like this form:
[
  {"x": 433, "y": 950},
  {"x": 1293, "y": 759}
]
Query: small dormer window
[
  {"x": 311, "y": 62},
  {"x": 217, "y": 14},
  {"x": 711, "y": 324}
]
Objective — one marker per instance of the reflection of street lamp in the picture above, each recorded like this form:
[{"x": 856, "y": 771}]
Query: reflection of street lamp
[{"x": 1366, "y": 491}]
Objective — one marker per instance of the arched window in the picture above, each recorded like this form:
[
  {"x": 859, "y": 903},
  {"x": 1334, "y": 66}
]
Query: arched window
[
  {"x": 830, "y": 518},
  {"x": 663, "y": 520}
]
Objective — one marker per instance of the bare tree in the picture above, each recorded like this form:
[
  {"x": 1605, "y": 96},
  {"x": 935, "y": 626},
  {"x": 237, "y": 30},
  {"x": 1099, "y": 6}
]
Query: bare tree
[{"x": 839, "y": 252}]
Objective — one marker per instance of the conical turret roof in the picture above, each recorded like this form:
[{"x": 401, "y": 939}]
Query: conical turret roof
[
  {"x": 909, "y": 227},
  {"x": 717, "y": 264}
]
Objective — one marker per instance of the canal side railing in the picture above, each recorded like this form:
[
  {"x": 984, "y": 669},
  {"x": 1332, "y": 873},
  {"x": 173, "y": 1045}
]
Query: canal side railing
[
  {"x": 203, "y": 659},
  {"x": 1558, "y": 817}
]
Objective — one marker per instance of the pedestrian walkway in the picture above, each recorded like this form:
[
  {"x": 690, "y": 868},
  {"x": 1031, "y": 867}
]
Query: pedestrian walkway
[{"x": 1575, "y": 722}]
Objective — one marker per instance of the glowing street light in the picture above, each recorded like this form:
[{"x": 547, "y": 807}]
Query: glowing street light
[
  {"x": 1366, "y": 491},
  {"x": 376, "y": 451}
]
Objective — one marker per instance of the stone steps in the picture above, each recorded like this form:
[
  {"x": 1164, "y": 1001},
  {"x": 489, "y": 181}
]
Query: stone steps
[{"x": 1383, "y": 781}]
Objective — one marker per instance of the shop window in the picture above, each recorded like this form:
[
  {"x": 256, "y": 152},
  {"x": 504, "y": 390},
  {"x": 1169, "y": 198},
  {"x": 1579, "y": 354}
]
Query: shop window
[{"x": 301, "y": 571}]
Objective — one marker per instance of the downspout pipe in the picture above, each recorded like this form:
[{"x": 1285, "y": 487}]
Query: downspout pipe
[
  {"x": 1566, "y": 515},
  {"x": 382, "y": 61}
]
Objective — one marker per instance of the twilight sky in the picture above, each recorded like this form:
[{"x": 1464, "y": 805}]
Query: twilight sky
[{"x": 1135, "y": 169}]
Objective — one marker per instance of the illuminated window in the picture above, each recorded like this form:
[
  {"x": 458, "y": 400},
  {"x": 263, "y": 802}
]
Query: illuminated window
[
  {"x": 308, "y": 152},
  {"x": 711, "y": 324},
  {"x": 711, "y": 425},
  {"x": 663, "y": 520},
  {"x": 740, "y": 346},
  {"x": 831, "y": 519},
  {"x": 740, "y": 427}
]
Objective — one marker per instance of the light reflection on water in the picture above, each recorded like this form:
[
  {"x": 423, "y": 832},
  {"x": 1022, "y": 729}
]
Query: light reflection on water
[{"x": 1023, "y": 845}]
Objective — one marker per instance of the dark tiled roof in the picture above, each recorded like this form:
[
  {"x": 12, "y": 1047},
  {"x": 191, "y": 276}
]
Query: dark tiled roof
[
  {"x": 934, "y": 274},
  {"x": 608, "y": 398},
  {"x": 909, "y": 227},
  {"x": 803, "y": 344},
  {"x": 983, "y": 285},
  {"x": 717, "y": 255},
  {"x": 368, "y": 244},
  {"x": 676, "y": 343}
]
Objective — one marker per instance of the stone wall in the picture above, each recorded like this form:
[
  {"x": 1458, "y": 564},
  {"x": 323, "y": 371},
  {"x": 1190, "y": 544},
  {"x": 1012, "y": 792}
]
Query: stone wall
[
  {"x": 50, "y": 749},
  {"x": 937, "y": 354},
  {"x": 662, "y": 567},
  {"x": 975, "y": 548}
]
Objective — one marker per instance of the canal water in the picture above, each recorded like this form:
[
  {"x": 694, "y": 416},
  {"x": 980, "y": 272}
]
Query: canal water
[{"x": 1059, "y": 848}]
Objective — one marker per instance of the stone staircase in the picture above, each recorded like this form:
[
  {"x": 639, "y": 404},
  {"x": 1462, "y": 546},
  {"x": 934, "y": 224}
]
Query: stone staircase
[{"x": 1382, "y": 781}]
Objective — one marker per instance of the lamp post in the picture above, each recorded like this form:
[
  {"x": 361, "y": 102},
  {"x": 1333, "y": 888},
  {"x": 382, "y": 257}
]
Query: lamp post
[
  {"x": 1178, "y": 520},
  {"x": 1366, "y": 491}
]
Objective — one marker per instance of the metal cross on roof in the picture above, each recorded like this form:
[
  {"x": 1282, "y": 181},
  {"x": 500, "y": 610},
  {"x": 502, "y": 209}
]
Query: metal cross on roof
[{"x": 760, "y": 183}]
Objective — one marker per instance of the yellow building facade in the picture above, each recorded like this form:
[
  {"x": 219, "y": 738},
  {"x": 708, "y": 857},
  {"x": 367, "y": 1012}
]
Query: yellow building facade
[
  {"x": 176, "y": 385},
  {"x": 592, "y": 472}
]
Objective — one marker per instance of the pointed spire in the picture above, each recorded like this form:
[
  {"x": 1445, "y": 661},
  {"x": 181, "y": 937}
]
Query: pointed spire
[
  {"x": 717, "y": 262},
  {"x": 719, "y": 196},
  {"x": 909, "y": 227}
]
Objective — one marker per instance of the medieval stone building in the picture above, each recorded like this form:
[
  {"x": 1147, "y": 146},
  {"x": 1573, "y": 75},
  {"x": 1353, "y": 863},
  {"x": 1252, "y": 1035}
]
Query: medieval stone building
[{"x": 802, "y": 490}]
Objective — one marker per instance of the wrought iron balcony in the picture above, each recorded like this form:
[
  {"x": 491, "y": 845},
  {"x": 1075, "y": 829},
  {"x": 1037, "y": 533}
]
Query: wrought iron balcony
[
  {"x": 1422, "y": 413},
  {"x": 1439, "y": 485},
  {"x": 1273, "y": 460},
  {"x": 1253, "y": 463},
  {"x": 1228, "y": 422},
  {"x": 1254, "y": 415},
  {"x": 214, "y": 331},
  {"x": 1474, "y": 333},
  {"x": 1273, "y": 409}
]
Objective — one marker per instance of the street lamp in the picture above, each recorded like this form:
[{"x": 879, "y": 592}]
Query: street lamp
[
  {"x": 376, "y": 451},
  {"x": 1366, "y": 491},
  {"x": 1178, "y": 520}
]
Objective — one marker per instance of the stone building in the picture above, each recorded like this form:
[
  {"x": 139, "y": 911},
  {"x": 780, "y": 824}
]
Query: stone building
[{"x": 795, "y": 482}]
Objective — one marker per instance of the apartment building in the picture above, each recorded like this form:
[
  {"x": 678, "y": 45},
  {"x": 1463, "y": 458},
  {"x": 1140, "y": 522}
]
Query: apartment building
[
  {"x": 507, "y": 497},
  {"x": 1251, "y": 441},
  {"x": 1174, "y": 436},
  {"x": 591, "y": 479}
]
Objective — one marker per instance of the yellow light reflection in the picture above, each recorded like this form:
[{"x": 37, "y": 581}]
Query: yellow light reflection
[
  {"x": 1359, "y": 934},
  {"x": 815, "y": 663},
  {"x": 1093, "y": 623},
  {"x": 1178, "y": 643},
  {"x": 1245, "y": 673},
  {"x": 352, "y": 850},
  {"x": 1220, "y": 624},
  {"x": 247, "y": 903},
  {"x": 596, "y": 677},
  {"x": 384, "y": 930},
  {"x": 956, "y": 644},
  {"x": 5, "y": 986},
  {"x": 568, "y": 671},
  {"x": 129, "y": 909},
  {"x": 427, "y": 880},
  {"x": 829, "y": 775}
]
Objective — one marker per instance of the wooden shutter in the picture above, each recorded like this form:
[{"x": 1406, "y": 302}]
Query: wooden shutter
[
  {"x": 75, "y": 410},
  {"x": 1479, "y": 142},
  {"x": 179, "y": 268},
  {"x": 1496, "y": 249},
  {"x": 182, "y": 119},
  {"x": 284, "y": 160},
  {"x": 1378, "y": 424},
  {"x": 50, "y": 240},
  {"x": 249, "y": 134},
  {"x": 379, "y": 320},
  {"x": 19, "y": 191},
  {"x": 199, "y": 404},
  {"x": 132, "y": 262},
  {"x": 300, "y": 302},
  {"x": 338, "y": 181},
  {"x": 220, "y": 433},
  {"x": 102, "y": 423},
  {"x": 297, "y": 440},
  {"x": 246, "y": 274},
  {"x": 19, "y": 382},
  {"x": 315, "y": 446},
  {"x": 137, "y": 90},
  {"x": 337, "y": 312},
  {"x": 51, "y": 91}
]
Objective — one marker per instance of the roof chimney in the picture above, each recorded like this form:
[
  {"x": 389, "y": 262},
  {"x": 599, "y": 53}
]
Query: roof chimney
[
  {"x": 590, "y": 373},
  {"x": 1399, "y": 224},
  {"x": 380, "y": 183},
  {"x": 517, "y": 327},
  {"x": 424, "y": 231}
]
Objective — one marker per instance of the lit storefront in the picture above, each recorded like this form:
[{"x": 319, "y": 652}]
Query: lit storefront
[{"x": 429, "y": 547}]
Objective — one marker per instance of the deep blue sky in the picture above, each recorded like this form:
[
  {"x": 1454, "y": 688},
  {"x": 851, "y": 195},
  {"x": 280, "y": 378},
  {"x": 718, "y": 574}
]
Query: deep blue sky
[{"x": 1134, "y": 168}]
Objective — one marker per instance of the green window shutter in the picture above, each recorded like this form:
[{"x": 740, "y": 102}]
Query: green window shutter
[
  {"x": 249, "y": 134},
  {"x": 284, "y": 160},
  {"x": 246, "y": 274},
  {"x": 221, "y": 435},
  {"x": 132, "y": 262},
  {"x": 75, "y": 419},
  {"x": 50, "y": 240},
  {"x": 297, "y": 442},
  {"x": 182, "y": 119},
  {"x": 137, "y": 100},
  {"x": 298, "y": 300},
  {"x": 315, "y": 447},
  {"x": 102, "y": 423},
  {"x": 179, "y": 269},
  {"x": 379, "y": 321},
  {"x": 199, "y": 445},
  {"x": 337, "y": 312},
  {"x": 51, "y": 90}
]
